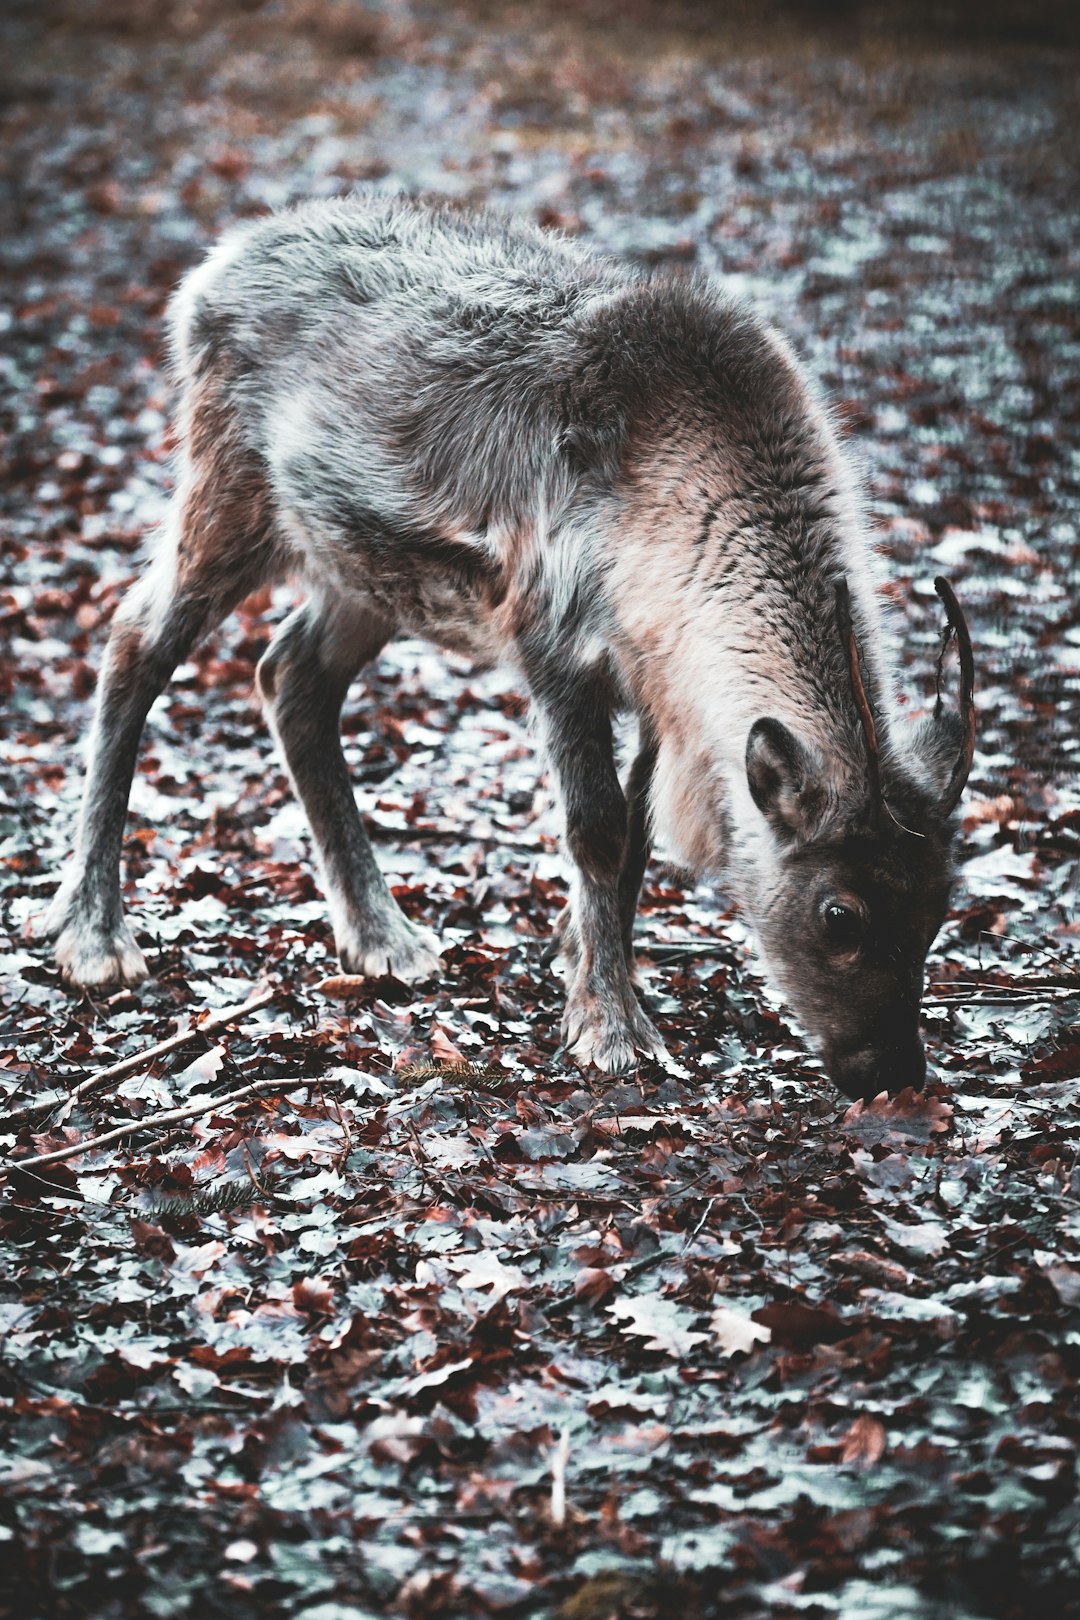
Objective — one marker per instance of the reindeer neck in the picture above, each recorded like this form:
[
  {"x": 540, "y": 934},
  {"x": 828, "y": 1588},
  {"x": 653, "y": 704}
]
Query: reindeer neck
[{"x": 728, "y": 609}]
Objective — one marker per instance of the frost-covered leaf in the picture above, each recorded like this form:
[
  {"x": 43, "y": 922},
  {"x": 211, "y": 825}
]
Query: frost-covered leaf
[
  {"x": 736, "y": 1333},
  {"x": 485, "y": 1270},
  {"x": 662, "y": 1323},
  {"x": 924, "y": 1239},
  {"x": 1065, "y": 1281},
  {"x": 200, "y": 1072},
  {"x": 94, "y": 1542},
  {"x": 195, "y": 1381}
]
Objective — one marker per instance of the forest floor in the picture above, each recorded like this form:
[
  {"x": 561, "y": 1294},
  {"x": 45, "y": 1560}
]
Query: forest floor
[{"x": 433, "y": 1323}]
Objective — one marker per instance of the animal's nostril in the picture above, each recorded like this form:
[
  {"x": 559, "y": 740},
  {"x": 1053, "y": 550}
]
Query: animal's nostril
[
  {"x": 863, "y": 1073},
  {"x": 858, "y": 1078}
]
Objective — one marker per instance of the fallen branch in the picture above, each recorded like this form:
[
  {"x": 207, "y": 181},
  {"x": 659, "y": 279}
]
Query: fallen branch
[
  {"x": 116, "y": 1071},
  {"x": 151, "y": 1122},
  {"x": 1026, "y": 984},
  {"x": 1004, "y": 996}
]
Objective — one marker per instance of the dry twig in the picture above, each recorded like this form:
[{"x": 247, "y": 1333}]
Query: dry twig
[
  {"x": 149, "y": 1122},
  {"x": 117, "y": 1071}
]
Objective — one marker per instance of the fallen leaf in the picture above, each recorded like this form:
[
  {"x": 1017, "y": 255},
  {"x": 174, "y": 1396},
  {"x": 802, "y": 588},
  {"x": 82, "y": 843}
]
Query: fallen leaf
[
  {"x": 340, "y": 986},
  {"x": 206, "y": 1067},
  {"x": 1065, "y": 1281},
  {"x": 662, "y": 1323},
  {"x": 863, "y": 1443},
  {"x": 909, "y": 1117},
  {"x": 438, "y": 1375},
  {"x": 486, "y": 1270},
  {"x": 795, "y": 1323},
  {"x": 737, "y": 1333},
  {"x": 313, "y": 1296},
  {"x": 443, "y": 1047}
]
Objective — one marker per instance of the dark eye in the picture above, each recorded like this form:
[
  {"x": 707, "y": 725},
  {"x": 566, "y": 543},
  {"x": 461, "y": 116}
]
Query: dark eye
[{"x": 843, "y": 926}]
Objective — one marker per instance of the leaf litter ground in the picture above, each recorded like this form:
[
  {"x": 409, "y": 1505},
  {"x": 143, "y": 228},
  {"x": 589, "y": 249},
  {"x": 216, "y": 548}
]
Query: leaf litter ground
[{"x": 431, "y": 1322}]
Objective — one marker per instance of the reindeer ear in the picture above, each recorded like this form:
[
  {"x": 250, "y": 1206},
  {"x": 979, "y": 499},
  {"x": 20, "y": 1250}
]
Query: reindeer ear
[
  {"x": 784, "y": 778},
  {"x": 932, "y": 747}
]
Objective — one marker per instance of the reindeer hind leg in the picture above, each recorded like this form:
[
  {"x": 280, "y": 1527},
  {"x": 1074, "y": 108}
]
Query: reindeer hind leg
[{"x": 217, "y": 547}]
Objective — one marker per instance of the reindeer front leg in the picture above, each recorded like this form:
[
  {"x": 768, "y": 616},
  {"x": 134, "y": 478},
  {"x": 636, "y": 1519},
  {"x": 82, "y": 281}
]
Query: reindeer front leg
[{"x": 604, "y": 1023}]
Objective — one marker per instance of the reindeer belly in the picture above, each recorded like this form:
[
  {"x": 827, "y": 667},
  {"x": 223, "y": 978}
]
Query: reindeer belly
[{"x": 445, "y": 589}]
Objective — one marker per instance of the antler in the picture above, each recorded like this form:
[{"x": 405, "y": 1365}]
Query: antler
[
  {"x": 957, "y": 626},
  {"x": 862, "y": 703}
]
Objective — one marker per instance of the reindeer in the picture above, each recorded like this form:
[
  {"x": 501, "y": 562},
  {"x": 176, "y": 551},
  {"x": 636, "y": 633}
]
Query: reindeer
[{"x": 452, "y": 425}]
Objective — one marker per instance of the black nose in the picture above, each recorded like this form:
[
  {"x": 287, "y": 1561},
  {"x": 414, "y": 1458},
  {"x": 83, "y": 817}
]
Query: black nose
[{"x": 869, "y": 1069}]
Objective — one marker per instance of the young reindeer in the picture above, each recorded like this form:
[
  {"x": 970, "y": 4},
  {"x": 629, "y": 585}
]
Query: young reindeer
[{"x": 452, "y": 425}]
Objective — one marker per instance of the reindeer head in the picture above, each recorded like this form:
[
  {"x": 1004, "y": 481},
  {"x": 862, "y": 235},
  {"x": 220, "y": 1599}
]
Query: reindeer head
[{"x": 859, "y": 882}]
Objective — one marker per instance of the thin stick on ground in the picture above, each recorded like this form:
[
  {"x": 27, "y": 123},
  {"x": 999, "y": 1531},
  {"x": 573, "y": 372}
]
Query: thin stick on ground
[
  {"x": 150, "y": 1122},
  {"x": 264, "y": 994},
  {"x": 560, "y": 1456}
]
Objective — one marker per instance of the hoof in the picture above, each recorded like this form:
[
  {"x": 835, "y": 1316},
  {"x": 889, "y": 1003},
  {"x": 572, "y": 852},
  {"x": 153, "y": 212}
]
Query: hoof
[
  {"x": 396, "y": 946},
  {"x": 93, "y": 957},
  {"x": 610, "y": 1038}
]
